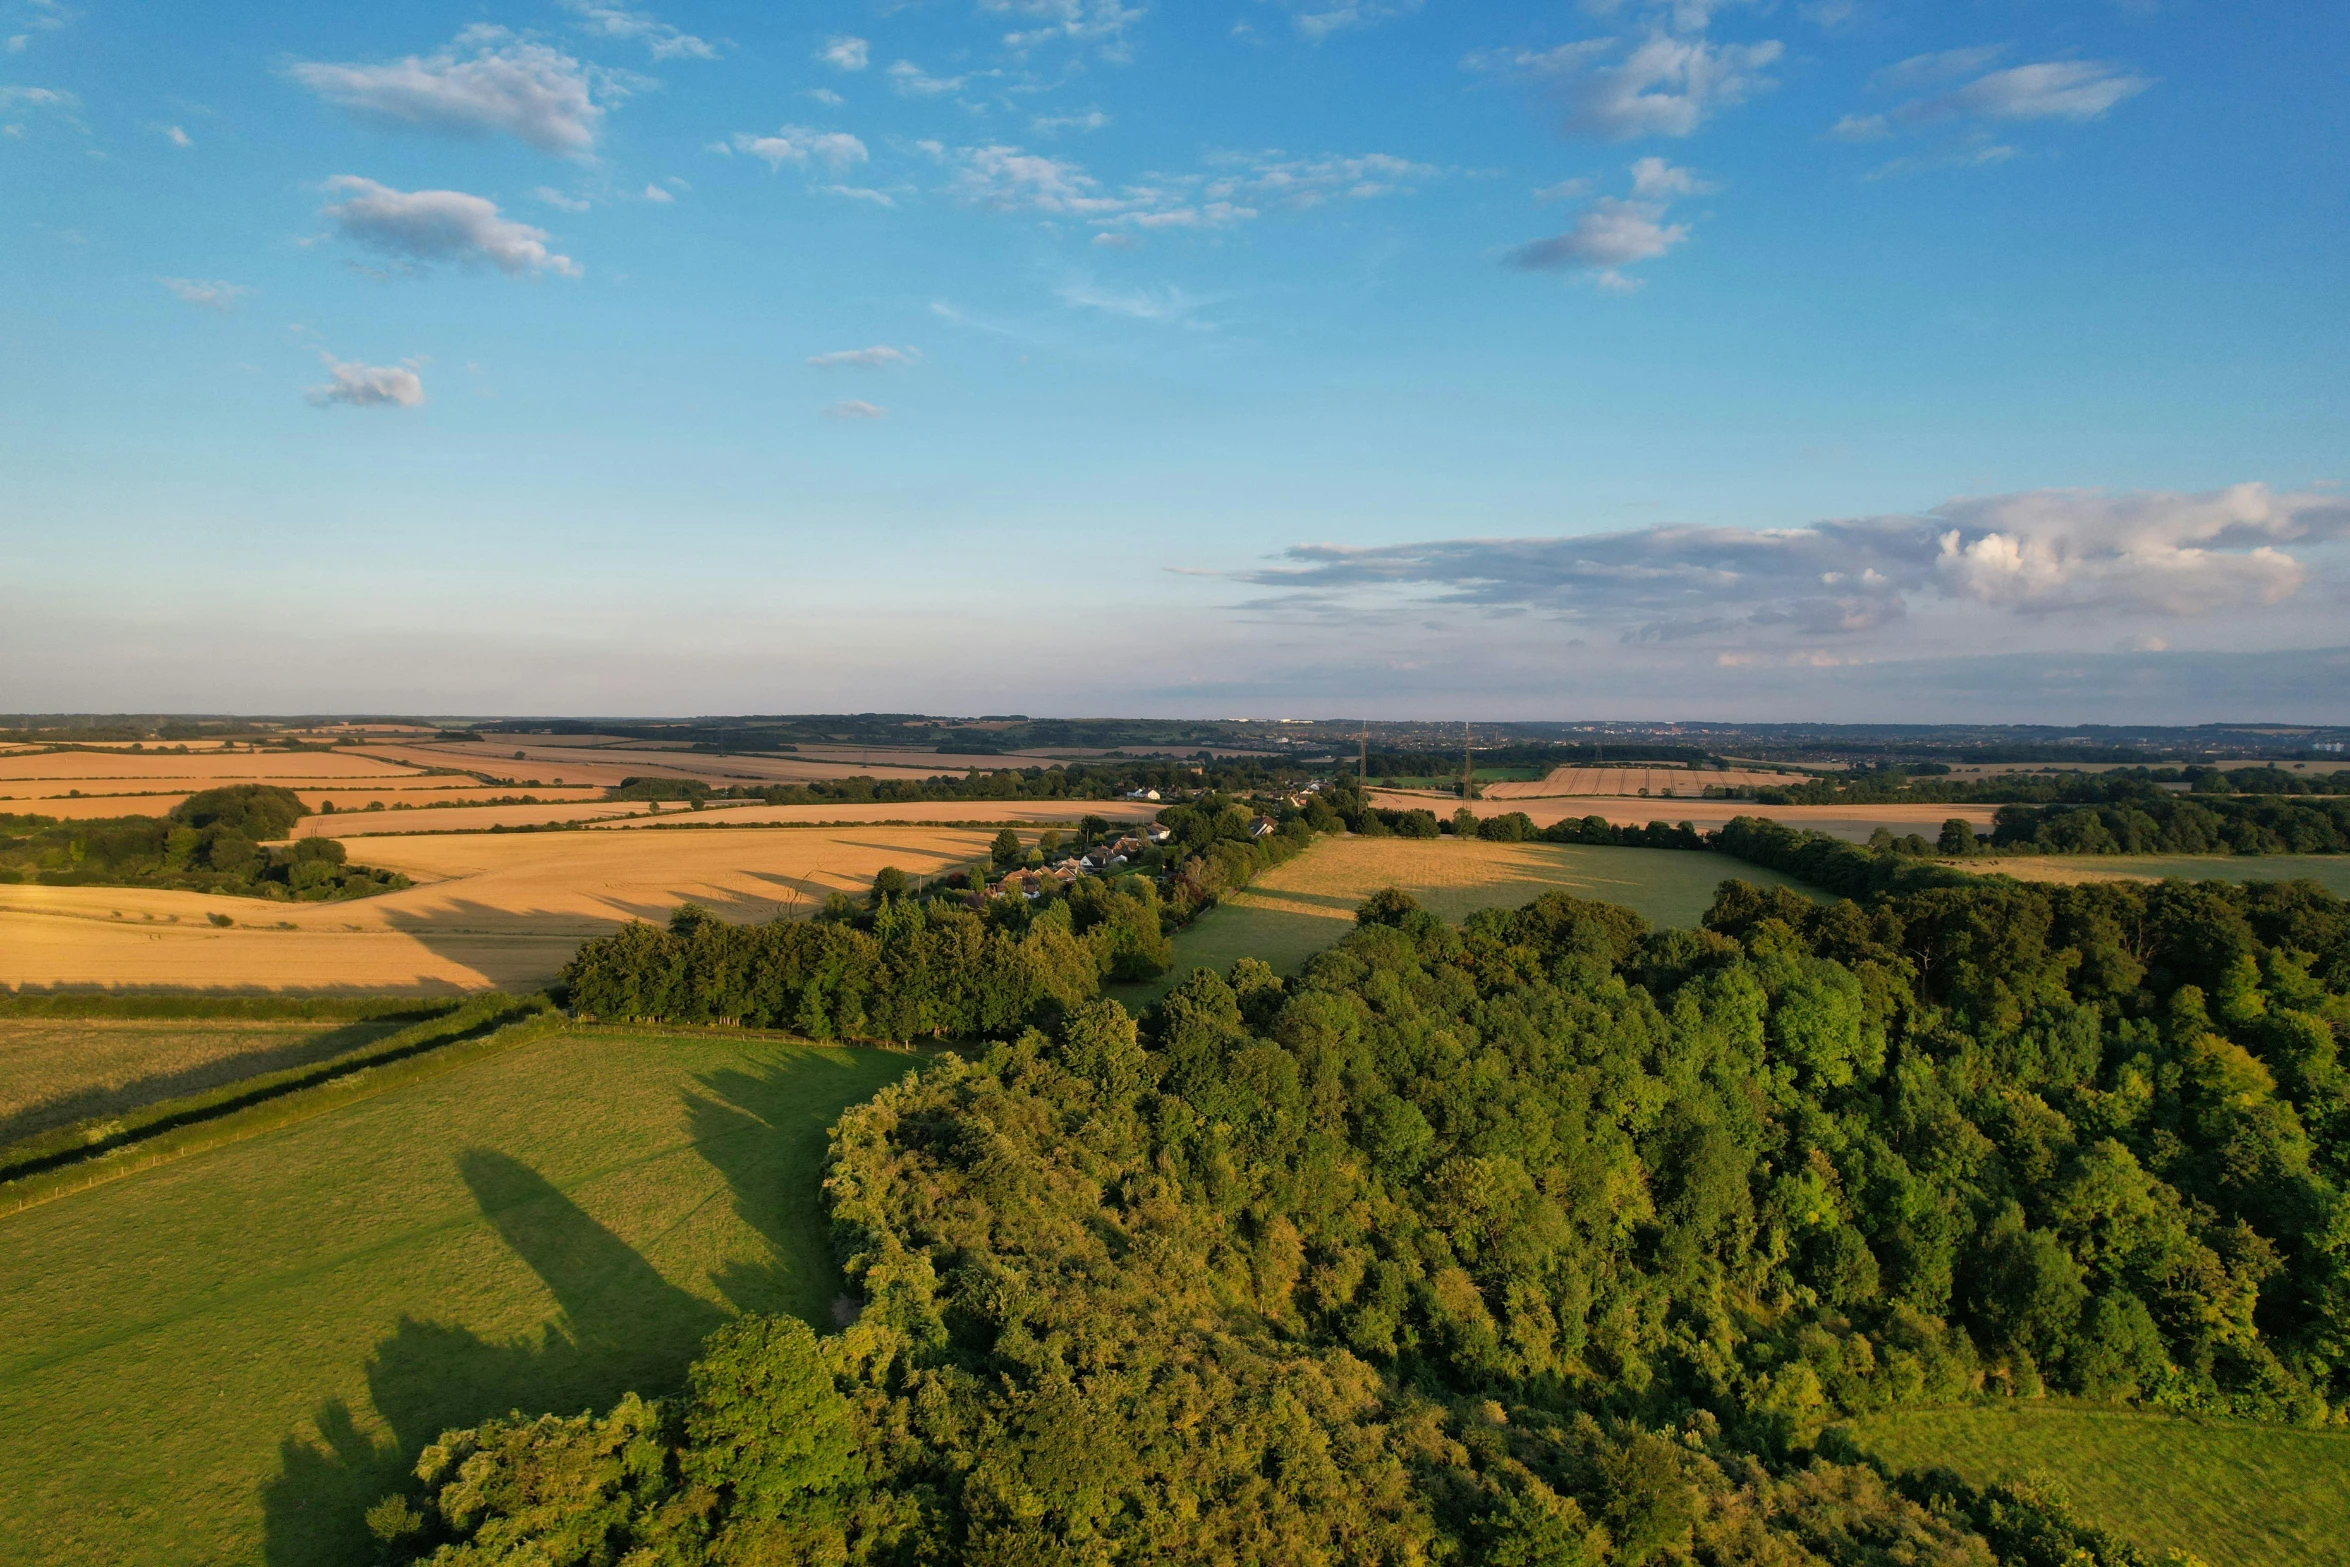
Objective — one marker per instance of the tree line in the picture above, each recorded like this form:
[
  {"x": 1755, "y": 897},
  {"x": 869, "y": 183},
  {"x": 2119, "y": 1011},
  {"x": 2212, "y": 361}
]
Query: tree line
[
  {"x": 213, "y": 841},
  {"x": 1550, "y": 1238}
]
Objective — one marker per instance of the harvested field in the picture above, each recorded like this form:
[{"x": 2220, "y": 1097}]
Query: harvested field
[
  {"x": 251, "y": 1344},
  {"x": 1853, "y": 822},
  {"x": 1062, "y": 811},
  {"x": 57, "y": 1070},
  {"x": 501, "y": 911},
  {"x": 1656, "y": 781},
  {"x": 2331, "y": 871},
  {"x": 1294, "y": 910}
]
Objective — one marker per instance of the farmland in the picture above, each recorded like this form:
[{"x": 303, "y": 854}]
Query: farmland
[
  {"x": 489, "y": 911},
  {"x": 253, "y": 1342},
  {"x": 54, "y": 1070},
  {"x": 1634, "y": 781},
  {"x": 2233, "y": 1494},
  {"x": 1295, "y": 910},
  {"x": 1853, "y": 822},
  {"x": 2331, "y": 871}
]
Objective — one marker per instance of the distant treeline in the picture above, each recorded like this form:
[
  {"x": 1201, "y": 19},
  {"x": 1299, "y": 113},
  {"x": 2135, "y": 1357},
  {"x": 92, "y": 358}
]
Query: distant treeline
[
  {"x": 1922, "y": 783},
  {"x": 1562, "y": 753},
  {"x": 1106, "y": 780},
  {"x": 211, "y": 842},
  {"x": 911, "y": 964}
]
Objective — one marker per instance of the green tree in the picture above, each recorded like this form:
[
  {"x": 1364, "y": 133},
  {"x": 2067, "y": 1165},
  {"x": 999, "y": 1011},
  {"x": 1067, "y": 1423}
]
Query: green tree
[{"x": 1006, "y": 850}]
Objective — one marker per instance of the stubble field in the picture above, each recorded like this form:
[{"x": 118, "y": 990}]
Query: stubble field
[{"x": 491, "y": 911}]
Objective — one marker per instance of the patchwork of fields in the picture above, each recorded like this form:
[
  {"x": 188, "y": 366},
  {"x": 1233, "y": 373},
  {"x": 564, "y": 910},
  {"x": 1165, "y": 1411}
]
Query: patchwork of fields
[{"x": 226, "y": 1358}]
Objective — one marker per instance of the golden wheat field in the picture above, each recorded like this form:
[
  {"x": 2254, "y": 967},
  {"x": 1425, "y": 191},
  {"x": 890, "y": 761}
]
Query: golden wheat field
[
  {"x": 501, "y": 910},
  {"x": 1654, "y": 781}
]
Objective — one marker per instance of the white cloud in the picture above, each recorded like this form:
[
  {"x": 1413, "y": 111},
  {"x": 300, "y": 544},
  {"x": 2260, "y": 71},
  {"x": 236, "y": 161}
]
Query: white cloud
[
  {"x": 212, "y": 295},
  {"x": 174, "y": 135},
  {"x": 2077, "y": 90},
  {"x": 484, "y": 83},
  {"x": 1609, "y": 233},
  {"x": 1663, "y": 85},
  {"x": 844, "y": 53},
  {"x": 1614, "y": 232},
  {"x": 1654, "y": 177},
  {"x": 1168, "y": 304},
  {"x": 37, "y": 98},
  {"x": 864, "y": 193},
  {"x": 1316, "y": 20},
  {"x": 1011, "y": 180},
  {"x": 880, "y": 356},
  {"x": 356, "y": 385},
  {"x": 1564, "y": 190},
  {"x": 661, "y": 40},
  {"x": 855, "y": 409},
  {"x": 838, "y": 151},
  {"x": 655, "y": 193},
  {"x": 825, "y": 96},
  {"x": 2051, "y": 90},
  {"x": 1109, "y": 240},
  {"x": 424, "y": 226},
  {"x": 558, "y": 200},
  {"x": 915, "y": 82},
  {"x": 1297, "y": 183},
  {"x": 1923, "y": 70},
  {"x": 1097, "y": 22},
  {"x": 1051, "y": 124},
  {"x": 2045, "y": 554}
]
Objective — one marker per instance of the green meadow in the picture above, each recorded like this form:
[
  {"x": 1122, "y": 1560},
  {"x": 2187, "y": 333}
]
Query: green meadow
[
  {"x": 1294, "y": 910},
  {"x": 226, "y": 1358},
  {"x": 2231, "y": 1493}
]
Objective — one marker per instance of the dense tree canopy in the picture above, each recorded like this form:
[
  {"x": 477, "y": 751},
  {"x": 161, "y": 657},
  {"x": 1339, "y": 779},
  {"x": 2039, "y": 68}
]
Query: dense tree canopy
[{"x": 1549, "y": 1239}]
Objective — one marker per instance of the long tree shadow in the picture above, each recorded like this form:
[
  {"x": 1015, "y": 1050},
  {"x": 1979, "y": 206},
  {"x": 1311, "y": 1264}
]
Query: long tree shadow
[
  {"x": 623, "y": 1327},
  {"x": 764, "y": 1129}
]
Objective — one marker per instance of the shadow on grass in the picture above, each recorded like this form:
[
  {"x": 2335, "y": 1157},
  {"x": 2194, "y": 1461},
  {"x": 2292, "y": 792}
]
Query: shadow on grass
[
  {"x": 623, "y": 1327},
  {"x": 763, "y": 1128}
]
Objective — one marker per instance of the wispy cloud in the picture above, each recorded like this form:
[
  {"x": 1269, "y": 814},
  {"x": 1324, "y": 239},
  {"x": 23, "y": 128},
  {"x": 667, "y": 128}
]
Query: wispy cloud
[
  {"x": 2076, "y": 90},
  {"x": 1167, "y": 304},
  {"x": 486, "y": 82},
  {"x": 854, "y": 408},
  {"x": 426, "y": 226},
  {"x": 879, "y": 357},
  {"x": 212, "y": 295},
  {"x": 1100, "y": 24},
  {"x": 661, "y": 40},
  {"x": 1316, "y": 20},
  {"x": 1054, "y": 124},
  {"x": 355, "y": 385},
  {"x": 913, "y": 81}
]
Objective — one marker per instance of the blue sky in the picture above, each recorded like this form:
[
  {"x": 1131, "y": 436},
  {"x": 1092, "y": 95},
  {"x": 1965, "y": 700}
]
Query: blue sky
[{"x": 1864, "y": 359}]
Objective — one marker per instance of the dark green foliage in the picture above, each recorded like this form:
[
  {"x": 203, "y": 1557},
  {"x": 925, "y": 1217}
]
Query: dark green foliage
[
  {"x": 1548, "y": 1239},
  {"x": 212, "y": 842},
  {"x": 693, "y": 790}
]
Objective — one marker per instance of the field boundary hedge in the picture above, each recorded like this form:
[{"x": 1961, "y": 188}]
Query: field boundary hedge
[{"x": 91, "y": 1153}]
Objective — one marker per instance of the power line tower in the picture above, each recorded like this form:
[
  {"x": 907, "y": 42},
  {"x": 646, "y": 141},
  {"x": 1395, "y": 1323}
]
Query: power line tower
[
  {"x": 1363, "y": 760},
  {"x": 1468, "y": 766}
]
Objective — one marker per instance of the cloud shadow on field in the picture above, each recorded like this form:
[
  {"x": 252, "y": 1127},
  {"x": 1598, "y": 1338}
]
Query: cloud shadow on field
[{"x": 622, "y": 1327}]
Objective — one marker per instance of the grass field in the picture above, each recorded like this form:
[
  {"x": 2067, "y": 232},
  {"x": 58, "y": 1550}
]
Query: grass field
[
  {"x": 1295, "y": 910},
  {"x": 1654, "y": 781},
  {"x": 225, "y": 1359},
  {"x": 2235, "y": 1495},
  {"x": 1852, "y": 822},
  {"x": 2331, "y": 871},
  {"x": 56, "y": 1070}
]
